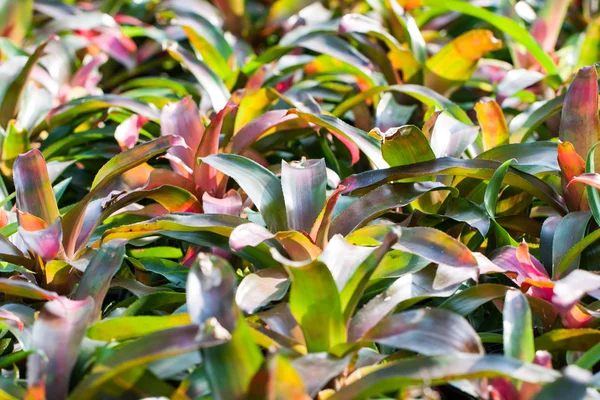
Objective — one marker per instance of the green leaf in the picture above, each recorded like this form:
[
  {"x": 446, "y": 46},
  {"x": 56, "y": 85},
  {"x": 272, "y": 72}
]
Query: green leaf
[
  {"x": 367, "y": 144},
  {"x": 141, "y": 352},
  {"x": 592, "y": 192},
  {"x": 575, "y": 252},
  {"x": 98, "y": 273},
  {"x": 504, "y": 24},
  {"x": 379, "y": 201},
  {"x": 113, "y": 169},
  {"x": 354, "y": 288},
  {"x": 405, "y": 145},
  {"x": 16, "y": 141},
  {"x": 315, "y": 303},
  {"x": 518, "y": 329},
  {"x": 123, "y": 328},
  {"x": 439, "y": 370},
  {"x": 480, "y": 169},
  {"x": 568, "y": 339},
  {"x": 261, "y": 185},
  {"x": 212, "y": 84},
  {"x": 570, "y": 230},
  {"x": 66, "y": 112},
  {"x": 12, "y": 91},
  {"x": 493, "y": 189},
  {"x": 456, "y": 61}
]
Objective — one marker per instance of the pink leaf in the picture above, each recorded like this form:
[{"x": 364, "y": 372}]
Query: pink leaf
[
  {"x": 128, "y": 132},
  {"x": 183, "y": 118}
]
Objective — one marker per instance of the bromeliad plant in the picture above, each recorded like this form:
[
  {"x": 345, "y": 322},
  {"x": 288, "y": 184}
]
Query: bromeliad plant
[{"x": 298, "y": 199}]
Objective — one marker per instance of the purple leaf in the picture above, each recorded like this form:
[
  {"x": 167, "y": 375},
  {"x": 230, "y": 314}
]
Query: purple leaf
[{"x": 57, "y": 334}]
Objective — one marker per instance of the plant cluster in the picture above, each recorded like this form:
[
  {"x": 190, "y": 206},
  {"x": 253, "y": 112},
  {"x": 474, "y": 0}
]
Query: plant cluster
[{"x": 296, "y": 199}]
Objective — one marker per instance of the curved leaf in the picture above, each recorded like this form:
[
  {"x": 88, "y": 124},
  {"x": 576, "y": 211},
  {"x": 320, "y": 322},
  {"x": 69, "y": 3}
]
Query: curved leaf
[
  {"x": 261, "y": 185},
  {"x": 480, "y": 169}
]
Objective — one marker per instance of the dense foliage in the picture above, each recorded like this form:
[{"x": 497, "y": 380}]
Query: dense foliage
[{"x": 294, "y": 199}]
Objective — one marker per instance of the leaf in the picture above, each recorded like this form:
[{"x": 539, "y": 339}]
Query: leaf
[
  {"x": 379, "y": 201},
  {"x": 574, "y": 252},
  {"x": 359, "y": 277},
  {"x": 457, "y": 60},
  {"x": 205, "y": 176},
  {"x": 57, "y": 333},
  {"x": 492, "y": 191},
  {"x": 429, "y": 282},
  {"x": 403, "y": 146},
  {"x": 12, "y": 91},
  {"x": 589, "y": 53},
  {"x": 210, "y": 300},
  {"x": 259, "y": 289},
  {"x": 317, "y": 369},
  {"x": 298, "y": 246},
  {"x": 579, "y": 123},
  {"x": 171, "y": 198},
  {"x": 480, "y": 169},
  {"x": 182, "y": 118},
  {"x": 365, "y": 143},
  {"x": 571, "y": 166},
  {"x": 315, "y": 303},
  {"x": 261, "y": 185},
  {"x": 429, "y": 243},
  {"x": 33, "y": 188},
  {"x": 255, "y": 128},
  {"x": 504, "y": 24},
  {"x": 66, "y": 112},
  {"x": 335, "y": 47},
  {"x": 320, "y": 230},
  {"x": 568, "y": 339},
  {"x": 438, "y": 370},
  {"x": 461, "y": 209},
  {"x": 20, "y": 288},
  {"x": 533, "y": 118},
  {"x": 451, "y": 137},
  {"x": 591, "y": 191},
  {"x": 518, "y": 330},
  {"x": 303, "y": 184},
  {"x": 131, "y": 327},
  {"x": 140, "y": 352},
  {"x": 433, "y": 99},
  {"x": 15, "y": 21},
  {"x": 546, "y": 28},
  {"x": 176, "y": 222},
  {"x": 230, "y": 204},
  {"x": 15, "y": 142},
  {"x": 590, "y": 358},
  {"x": 282, "y": 381},
  {"x": 569, "y": 231},
  {"x": 207, "y": 40},
  {"x": 494, "y": 130},
  {"x": 570, "y": 289},
  {"x": 427, "y": 331},
  {"x": 209, "y": 81},
  {"x": 73, "y": 220},
  {"x": 572, "y": 386},
  {"x": 40, "y": 238},
  {"x": 98, "y": 273}
]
